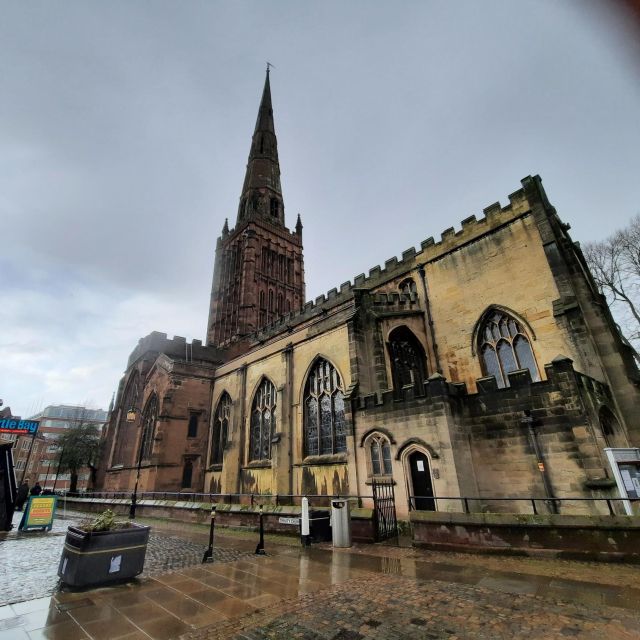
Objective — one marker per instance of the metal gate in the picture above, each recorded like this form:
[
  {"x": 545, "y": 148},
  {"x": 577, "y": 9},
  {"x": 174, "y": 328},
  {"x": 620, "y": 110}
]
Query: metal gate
[{"x": 384, "y": 511}]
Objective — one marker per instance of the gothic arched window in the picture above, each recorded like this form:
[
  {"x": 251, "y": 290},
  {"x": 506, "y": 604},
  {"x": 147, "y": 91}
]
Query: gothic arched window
[
  {"x": 124, "y": 445},
  {"x": 407, "y": 359},
  {"x": 613, "y": 435},
  {"x": 408, "y": 286},
  {"x": 263, "y": 421},
  {"x": 504, "y": 347},
  {"x": 149, "y": 420},
  {"x": 220, "y": 430},
  {"x": 379, "y": 451},
  {"x": 324, "y": 421}
]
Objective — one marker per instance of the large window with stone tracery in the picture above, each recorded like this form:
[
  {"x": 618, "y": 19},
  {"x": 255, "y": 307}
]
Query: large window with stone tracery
[
  {"x": 124, "y": 444},
  {"x": 408, "y": 362},
  {"x": 263, "y": 421},
  {"x": 149, "y": 420},
  {"x": 220, "y": 430},
  {"x": 504, "y": 347},
  {"x": 324, "y": 419}
]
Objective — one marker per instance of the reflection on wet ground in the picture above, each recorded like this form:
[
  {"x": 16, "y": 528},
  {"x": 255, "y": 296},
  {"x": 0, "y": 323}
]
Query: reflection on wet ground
[{"x": 318, "y": 593}]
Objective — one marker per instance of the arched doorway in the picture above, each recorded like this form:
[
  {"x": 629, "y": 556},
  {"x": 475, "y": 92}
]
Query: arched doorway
[{"x": 419, "y": 471}]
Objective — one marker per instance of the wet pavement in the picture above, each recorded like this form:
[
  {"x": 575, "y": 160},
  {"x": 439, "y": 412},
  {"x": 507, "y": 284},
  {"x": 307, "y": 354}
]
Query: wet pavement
[
  {"x": 370, "y": 591},
  {"x": 30, "y": 560}
]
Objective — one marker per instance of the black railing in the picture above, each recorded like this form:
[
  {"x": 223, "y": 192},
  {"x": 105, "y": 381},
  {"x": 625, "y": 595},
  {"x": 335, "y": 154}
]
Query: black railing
[
  {"x": 553, "y": 505},
  {"x": 253, "y": 499}
]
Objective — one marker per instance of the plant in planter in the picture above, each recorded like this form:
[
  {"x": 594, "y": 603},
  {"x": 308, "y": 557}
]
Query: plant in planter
[{"x": 103, "y": 550}]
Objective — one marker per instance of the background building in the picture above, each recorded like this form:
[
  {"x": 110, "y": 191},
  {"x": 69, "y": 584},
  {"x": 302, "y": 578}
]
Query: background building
[{"x": 41, "y": 464}]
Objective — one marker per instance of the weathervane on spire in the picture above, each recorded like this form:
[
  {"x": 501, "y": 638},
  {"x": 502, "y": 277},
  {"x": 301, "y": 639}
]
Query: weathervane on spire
[{"x": 269, "y": 65}]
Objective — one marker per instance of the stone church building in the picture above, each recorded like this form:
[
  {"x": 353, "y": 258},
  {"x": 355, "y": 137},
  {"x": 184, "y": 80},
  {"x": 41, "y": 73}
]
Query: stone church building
[{"x": 485, "y": 364}]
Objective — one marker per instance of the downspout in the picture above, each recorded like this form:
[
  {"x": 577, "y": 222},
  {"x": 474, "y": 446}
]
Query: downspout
[
  {"x": 241, "y": 438},
  {"x": 289, "y": 360},
  {"x": 429, "y": 318},
  {"x": 546, "y": 480}
]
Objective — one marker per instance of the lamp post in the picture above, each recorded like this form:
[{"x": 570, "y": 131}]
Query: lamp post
[{"x": 131, "y": 417}]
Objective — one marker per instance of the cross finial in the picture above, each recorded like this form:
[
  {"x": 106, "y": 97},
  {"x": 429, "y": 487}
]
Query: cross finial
[{"x": 269, "y": 65}]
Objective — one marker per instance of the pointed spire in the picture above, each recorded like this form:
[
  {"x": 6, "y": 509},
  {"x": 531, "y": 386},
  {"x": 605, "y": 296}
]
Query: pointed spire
[
  {"x": 299, "y": 226},
  {"x": 261, "y": 193},
  {"x": 225, "y": 228}
]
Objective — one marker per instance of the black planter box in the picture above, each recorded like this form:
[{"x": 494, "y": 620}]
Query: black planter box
[{"x": 93, "y": 558}]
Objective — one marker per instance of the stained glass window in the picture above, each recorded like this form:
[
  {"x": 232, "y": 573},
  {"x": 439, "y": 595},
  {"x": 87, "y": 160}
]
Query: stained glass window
[
  {"x": 220, "y": 429},
  {"x": 149, "y": 419},
  {"x": 504, "y": 348},
  {"x": 324, "y": 421},
  {"x": 263, "y": 421},
  {"x": 125, "y": 429}
]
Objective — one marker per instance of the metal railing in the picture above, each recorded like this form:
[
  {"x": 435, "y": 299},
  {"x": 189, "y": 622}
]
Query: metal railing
[
  {"x": 253, "y": 499},
  {"x": 553, "y": 505}
]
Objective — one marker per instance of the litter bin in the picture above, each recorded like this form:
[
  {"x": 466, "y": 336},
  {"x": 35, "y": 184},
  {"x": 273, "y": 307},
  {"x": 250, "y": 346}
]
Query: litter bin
[{"x": 340, "y": 523}]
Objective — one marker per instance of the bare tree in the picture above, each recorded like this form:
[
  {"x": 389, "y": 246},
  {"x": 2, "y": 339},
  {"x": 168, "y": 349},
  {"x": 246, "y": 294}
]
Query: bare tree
[
  {"x": 79, "y": 447},
  {"x": 615, "y": 265}
]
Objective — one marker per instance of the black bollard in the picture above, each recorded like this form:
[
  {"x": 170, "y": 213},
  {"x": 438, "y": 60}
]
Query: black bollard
[
  {"x": 208, "y": 554},
  {"x": 260, "y": 548}
]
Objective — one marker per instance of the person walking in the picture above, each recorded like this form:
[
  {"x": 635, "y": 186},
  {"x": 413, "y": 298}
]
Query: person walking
[
  {"x": 36, "y": 490},
  {"x": 21, "y": 495}
]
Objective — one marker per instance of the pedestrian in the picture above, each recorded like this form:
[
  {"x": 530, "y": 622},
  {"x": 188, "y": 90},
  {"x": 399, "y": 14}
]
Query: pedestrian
[
  {"x": 22, "y": 495},
  {"x": 36, "y": 490}
]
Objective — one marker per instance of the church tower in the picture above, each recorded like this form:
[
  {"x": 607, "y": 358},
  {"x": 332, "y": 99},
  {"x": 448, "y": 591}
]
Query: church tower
[{"x": 259, "y": 270}]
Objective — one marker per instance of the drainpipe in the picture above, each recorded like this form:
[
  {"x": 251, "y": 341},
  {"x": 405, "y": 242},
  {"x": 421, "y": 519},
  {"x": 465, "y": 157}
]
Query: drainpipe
[
  {"x": 289, "y": 400},
  {"x": 546, "y": 480},
  {"x": 429, "y": 318},
  {"x": 241, "y": 433}
]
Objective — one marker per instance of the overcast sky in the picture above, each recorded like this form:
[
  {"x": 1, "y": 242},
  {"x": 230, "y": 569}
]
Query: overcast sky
[{"x": 125, "y": 129}]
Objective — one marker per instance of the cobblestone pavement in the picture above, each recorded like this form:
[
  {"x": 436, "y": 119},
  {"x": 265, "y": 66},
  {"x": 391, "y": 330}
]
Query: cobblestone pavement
[
  {"x": 29, "y": 561},
  {"x": 368, "y": 592},
  {"x": 391, "y": 607},
  {"x": 620, "y": 574}
]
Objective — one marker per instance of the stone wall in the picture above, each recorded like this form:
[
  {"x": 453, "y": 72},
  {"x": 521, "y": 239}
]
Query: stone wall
[{"x": 605, "y": 538}]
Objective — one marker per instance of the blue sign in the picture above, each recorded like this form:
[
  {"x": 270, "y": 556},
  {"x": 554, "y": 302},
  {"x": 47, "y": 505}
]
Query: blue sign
[{"x": 15, "y": 425}]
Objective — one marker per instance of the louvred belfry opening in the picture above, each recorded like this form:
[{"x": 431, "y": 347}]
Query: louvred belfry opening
[{"x": 259, "y": 269}]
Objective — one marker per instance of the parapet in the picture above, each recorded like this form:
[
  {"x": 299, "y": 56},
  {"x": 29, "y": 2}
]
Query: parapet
[
  {"x": 495, "y": 216},
  {"x": 176, "y": 347}
]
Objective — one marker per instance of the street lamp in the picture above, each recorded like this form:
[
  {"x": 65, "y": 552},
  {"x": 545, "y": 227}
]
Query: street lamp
[{"x": 131, "y": 417}]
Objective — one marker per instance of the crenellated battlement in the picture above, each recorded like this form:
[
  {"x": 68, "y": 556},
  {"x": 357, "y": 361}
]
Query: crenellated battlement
[
  {"x": 559, "y": 372},
  {"x": 176, "y": 347},
  {"x": 472, "y": 229}
]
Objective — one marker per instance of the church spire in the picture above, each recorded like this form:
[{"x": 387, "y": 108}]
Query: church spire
[{"x": 261, "y": 193}]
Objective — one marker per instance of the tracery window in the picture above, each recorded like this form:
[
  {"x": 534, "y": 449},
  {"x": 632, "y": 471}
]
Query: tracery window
[
  {"x": 407, "y": 359},
  {"x": 149, "y": 420},
  {"x": 505, "y": 347},
  {"x": 125, "y": 429},
  {"x": 379, "y": 455},
  {"x": 220, "y": 429},
  {"x": 408, "y": 286},
  {"x": 324, "y": 420},
  {"x": 263, "y": 421}
]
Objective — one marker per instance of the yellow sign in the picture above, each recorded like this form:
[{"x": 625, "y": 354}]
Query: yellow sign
[{"x": 40, "y": 512}]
